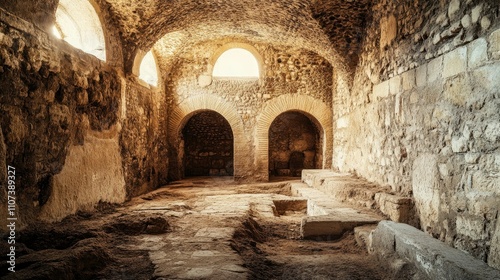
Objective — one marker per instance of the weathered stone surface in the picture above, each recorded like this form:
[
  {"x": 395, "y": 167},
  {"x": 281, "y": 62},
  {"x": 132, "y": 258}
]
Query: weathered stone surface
[
  {"x": 92, "y": 173},
  {"x": 388, "y": 31},
  {"x": 455, "y": 62},
  {"x": 435, "y": 69},
  {"x": 494, "y": 41},
  {"x": 333, "y": 225},
  {"x": 432, "y": 257},
  {"x": 381, "y": 90},
  {"x": 45, "y": 110},
  {"x": 424, "y": 142},
  {"x": 425, "y": 183},
  {"x": 477, "y": 53},
  {"x": 398, "y": 209}
]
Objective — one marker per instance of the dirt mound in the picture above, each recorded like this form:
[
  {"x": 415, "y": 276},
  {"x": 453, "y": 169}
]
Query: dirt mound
[{"x": 86, "y": 246}]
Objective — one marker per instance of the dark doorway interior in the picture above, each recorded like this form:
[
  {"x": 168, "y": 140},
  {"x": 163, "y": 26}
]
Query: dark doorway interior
[
  {"x": 293, "y": 145},
  {"x": 208, "y": 145}
]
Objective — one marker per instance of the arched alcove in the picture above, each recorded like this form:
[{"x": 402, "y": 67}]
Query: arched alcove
[
  {"x": 313, "y": 108},
  {"x": 294, "y": 144},
  {"x": 208, "y": 144},
  {"x": 78, "y": 24},
  {"x": 183, "y": 113}
]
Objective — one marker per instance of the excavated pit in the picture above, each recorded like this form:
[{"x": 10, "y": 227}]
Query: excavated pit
[
  {"x": 274, "y": 250},
  {"x": 87, "y": 245}
]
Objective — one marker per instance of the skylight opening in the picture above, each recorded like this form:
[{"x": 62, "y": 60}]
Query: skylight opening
[
  {"x": 78, "y": 24},
  {"x": 236, "y": 63},
  {"x": 148, "y": 70}
]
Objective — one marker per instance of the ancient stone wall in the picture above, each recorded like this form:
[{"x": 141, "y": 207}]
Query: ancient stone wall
[
  {"x": 40, "y": 13},
  {"x": 423, "y": 116},
  {"x": 295, "y": 73},
  {"x": 143, "y": 138},
  {"x": 61, "y": 121}
]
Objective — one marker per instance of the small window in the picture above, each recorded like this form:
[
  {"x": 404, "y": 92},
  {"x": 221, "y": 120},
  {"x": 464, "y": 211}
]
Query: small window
[
  {"x": 78, "y": 24},
  {"x": 148, "y": 71},
  {"x": 236, "y": 63}
]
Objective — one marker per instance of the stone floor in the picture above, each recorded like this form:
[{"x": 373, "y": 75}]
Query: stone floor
[
  {"x": 202, "y": 243},
  {"x": 217, "y": 229}
]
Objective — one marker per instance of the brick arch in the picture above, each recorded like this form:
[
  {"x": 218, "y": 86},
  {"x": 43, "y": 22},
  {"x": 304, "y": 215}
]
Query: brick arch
[
  {"x": 319, "y": 112},
  {"x": 181, "y": 114}
]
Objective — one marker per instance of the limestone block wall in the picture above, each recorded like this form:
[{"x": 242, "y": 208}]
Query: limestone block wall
[
  {"x": 424, "y": 117},
  {"x": 290, "y": 80}
]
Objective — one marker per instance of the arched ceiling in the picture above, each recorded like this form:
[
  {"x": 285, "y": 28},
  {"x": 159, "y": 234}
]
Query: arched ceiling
[{"x": 331, "y": 28}]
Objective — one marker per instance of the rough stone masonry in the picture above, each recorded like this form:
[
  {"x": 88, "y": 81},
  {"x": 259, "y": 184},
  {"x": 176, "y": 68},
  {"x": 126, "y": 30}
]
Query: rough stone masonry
[{"x": 405, "y": 94}]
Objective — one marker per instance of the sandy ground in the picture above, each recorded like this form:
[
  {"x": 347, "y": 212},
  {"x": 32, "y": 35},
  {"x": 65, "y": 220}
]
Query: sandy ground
[{"x": 204, "y": 228}]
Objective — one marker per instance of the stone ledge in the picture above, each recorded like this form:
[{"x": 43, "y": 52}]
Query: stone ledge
[
  {"x": 333, "y": 225},
  {"x": 345, "y": 188},
  {"x": 431, "y": 256}
]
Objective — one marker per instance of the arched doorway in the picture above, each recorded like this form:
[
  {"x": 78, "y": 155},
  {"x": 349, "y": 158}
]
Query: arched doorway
[
  {"x": 294, "y": 144},
  {"x": 208, "y": 145}
]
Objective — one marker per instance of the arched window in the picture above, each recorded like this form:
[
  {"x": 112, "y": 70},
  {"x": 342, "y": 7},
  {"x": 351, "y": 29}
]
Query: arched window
[
  {"x": 148, "y": 71},
  {"x": 236, "y": 63},
  {"x": 78, "y": 24}
]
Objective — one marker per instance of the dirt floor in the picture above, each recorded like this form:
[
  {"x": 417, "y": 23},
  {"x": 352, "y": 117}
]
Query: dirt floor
[{"x": 193, "y": 229}]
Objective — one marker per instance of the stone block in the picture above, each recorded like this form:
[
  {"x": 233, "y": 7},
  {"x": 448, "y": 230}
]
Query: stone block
[
  {"x": 397, "y": 208},
  {"x": 453, "y": 8},
  {"x": 409, "y": 79},
  {"x": 458, "y": 90},
  {"x": 421, "y": 75},
  {"x": 487, "y": 77},
  {"x": 476, "y": 13},
  {"x": 485, "y": 23},
  {"x": 466, "y": 21},
  {"x": 494, "y": 40},
  {"x": 471, "y": 226},
  {"x": 284, "y": 172},
  {"x": 431, "y": 256},
  {"x": 395, "y": 85},
  {"x": 494, "y": 255},
  {"x": 426, "y": 185},
  {"x": 333, "y": 226},
  {"x": 434, "y": 69},
  {"x": 381, "y": 90},
  {"x": 477, "y": 53},
  {"x": 455, "y": 62}
]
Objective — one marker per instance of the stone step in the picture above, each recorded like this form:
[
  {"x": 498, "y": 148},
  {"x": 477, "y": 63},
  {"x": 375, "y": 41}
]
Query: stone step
[
  {"x": 333, "y": 225},
  {"x": 328, "y": 217},
  {"x": 359, "y": 192},
  {"x": 431, "y": 256}
]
